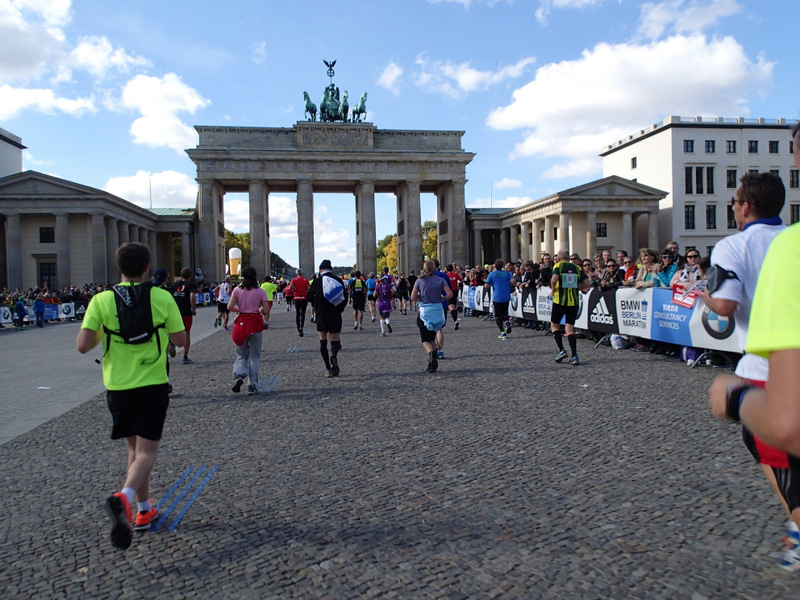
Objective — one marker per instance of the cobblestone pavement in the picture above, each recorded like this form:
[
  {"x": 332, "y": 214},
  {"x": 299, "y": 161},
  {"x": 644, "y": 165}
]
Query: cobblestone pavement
[{"x": 503, "y": 475}]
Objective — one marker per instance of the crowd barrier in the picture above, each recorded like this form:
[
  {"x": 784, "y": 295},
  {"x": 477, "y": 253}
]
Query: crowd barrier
[
  {"x": 649, "y": 313},
  {"x": 70, "y": 310},
  {"x": 52, "y": 312}
]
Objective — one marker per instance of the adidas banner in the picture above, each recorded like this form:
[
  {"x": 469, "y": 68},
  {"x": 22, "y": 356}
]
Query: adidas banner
[{"x": 648, "y": 313}]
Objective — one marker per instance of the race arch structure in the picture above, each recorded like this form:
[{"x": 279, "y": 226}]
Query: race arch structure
[{"x": 312, "y": 158}]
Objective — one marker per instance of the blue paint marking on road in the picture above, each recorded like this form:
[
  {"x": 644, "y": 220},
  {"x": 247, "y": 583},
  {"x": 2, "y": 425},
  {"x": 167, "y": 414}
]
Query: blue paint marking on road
[
  {"x": 267, "y": 383},
  {"x": 157, "y": 522},
  {"x": 274, "y": 381},
  {"x": 292, "y": 349},
  {"x": 163, "y": 519},
  {"x": 194, "y": 496}
]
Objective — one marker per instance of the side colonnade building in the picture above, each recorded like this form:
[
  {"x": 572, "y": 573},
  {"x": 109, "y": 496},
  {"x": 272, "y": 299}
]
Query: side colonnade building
[
  {"x": 57, "y": 233},
  {"x": 609, "y": 213}
]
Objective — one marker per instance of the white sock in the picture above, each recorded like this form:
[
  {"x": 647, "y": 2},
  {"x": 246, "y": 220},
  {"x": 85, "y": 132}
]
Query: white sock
[
  {"x": 130, "y": 494},
  {"x": 792, "y": 526},
  {"x": 144, "y": 506},
  {"x": 388, "y": 320},
  {"x": 383, "y": 326}
]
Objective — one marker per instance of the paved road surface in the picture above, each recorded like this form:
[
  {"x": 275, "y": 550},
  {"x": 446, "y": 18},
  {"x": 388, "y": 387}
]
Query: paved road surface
[{"x": 503, "y": 475}]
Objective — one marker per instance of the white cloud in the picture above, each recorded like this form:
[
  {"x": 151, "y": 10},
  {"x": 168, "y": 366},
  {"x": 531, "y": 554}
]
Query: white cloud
[
  {"x": 159, "y": 99},
  {"x": 330, "y": 241},
  {"x": 507, "y": 183},
  {"x": 170, "y": 189},
  {"x": 572, "y": 109},
  {"x": 15, "y": 100},
  {"x": 96, "y": 55},
  {"x": 684, "y": 17},
  {"x": 30, "y": 37},
  {"x": 545, "y": 6},
  {"x": 389, "y": 77},
  {"x": 258, "y": 52},
  {"x": 455, "y": 79}
]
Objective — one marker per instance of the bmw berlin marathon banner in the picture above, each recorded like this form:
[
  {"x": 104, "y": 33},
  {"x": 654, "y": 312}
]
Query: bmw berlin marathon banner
[
  {"x": 649, "y": 313},
  {"x": 52, "y": 312}
]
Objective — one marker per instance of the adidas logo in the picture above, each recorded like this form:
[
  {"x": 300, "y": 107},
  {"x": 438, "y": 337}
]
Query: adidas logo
[
  {"x": 529, "y": 306},
  {"x": 600, "y": 313}
]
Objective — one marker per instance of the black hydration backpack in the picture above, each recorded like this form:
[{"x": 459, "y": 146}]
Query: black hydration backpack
[{"x": 135, "y": 316}]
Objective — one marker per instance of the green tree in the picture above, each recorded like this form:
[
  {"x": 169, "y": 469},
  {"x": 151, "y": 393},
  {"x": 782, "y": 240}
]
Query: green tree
[
  {"x": 386, "y": 252},
  {"x": 242, "y": 241},
  {"x": 429, "y": 239}
]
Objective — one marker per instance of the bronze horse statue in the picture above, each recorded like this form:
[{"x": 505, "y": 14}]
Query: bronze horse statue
[
  {"x": 311, "y": 108},
  {"x": 359, "y": 109}
]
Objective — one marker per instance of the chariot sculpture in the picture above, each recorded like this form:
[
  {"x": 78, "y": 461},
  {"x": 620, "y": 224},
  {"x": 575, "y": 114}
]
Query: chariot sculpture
[{"x": 332, "y": 107}]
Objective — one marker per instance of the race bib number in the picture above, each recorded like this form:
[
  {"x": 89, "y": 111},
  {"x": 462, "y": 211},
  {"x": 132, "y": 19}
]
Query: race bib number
[{"x": 569, "y": 280}]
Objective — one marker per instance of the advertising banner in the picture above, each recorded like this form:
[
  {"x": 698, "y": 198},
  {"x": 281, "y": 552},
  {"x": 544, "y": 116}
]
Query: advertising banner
[
  {"x": 66, "y": 310},
  {"x": 670, "y": 321},
  {"x": 633, "y": 310},
  {"x": 601, "y": 310}
]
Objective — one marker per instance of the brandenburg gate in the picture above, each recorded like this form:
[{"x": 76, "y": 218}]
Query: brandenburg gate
[{"x": 321, "y": 157}]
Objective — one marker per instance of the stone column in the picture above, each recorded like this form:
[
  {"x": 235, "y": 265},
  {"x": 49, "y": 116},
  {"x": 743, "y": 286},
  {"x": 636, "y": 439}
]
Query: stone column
[
  {"x": 98, "y": 237},
  {"x": 154, "y": 255},
  {"x": 549, "y": 245},
  {"x": 627, "y": 234},
  {"x": 14, "y": 251},
  {"x": 413, "y": 219},
  {"x": 563, "y": 231},
  {"x": 591, "y": 234},
  {"x": 186, "y": 252},
  {"x": 207, "y": 234},
  {"x": 477, "y": 242},
  {"x": 305, "y": 225},
  {"x": 143, "y": 236},
  {"x": 122, "y": 232},
  {"x": 259, "y": 249},
  {"x": 515, "y": 243},
  {"x": 652, "y": 230},
  {"x": 505, "y": 244},
  {"x": 458, "y": 223},
  {"x": 112, "y": 243},
  {"x": 366, "y": 242},
  {"x": 63, "y": 267},
  {"x": 525, "y": 235}
]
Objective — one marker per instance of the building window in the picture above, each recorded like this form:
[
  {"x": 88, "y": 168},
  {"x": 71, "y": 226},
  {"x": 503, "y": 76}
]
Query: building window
[
  {"x": 775, "y": 172},
  {"x": 794, "y": 213},
  {"x": 731, "y": 218},
  {"x": 47, "y": 235},
  {"x": 633, "y": 162},
  {"x": 555, "y": 234},
  {"x": 47, "y": 275},
  {"x": 730, "y": 179},
  {"x": 688, "y": 216},
  {"x": 752, "y": 146},
  {"x": 730, "y": 146},
  {"x": 794, "y": 179},
  {"x": 698, "y": 179},
  {"x": 709, "y": 180},
  {"x": 688, "y": 189},
  {"x": 709, "y": 250},
  {"x": 602, "y": 230},
  {"x": 773, "y": 147},
  {"x": 791, "y": 147},
  {"x": 711, "y": 216},
  {"x": 688, "y": 145},
  {"x": 711, "y": 146},
  {"x": 753, "y": 171}
]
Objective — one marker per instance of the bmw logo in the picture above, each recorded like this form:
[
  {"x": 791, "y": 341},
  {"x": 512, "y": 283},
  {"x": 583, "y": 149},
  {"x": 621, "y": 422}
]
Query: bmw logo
[
  {"x": 717, "y": 326},
  {"x": 514, "y": 301},
  {"x": 67, "y": 309}
]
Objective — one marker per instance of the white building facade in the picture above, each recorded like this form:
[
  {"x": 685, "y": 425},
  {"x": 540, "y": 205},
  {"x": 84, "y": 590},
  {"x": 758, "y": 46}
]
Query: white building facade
[
  {"x": 10, "y": 153},
  {"x": 699, "y": 162}
]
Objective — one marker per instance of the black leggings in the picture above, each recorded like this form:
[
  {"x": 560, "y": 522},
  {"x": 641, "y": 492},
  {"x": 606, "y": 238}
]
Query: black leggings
[{"x": 300, "y": 312}]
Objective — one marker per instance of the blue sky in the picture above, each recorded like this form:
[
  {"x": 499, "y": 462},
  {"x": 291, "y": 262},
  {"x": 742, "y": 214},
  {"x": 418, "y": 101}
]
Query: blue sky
[{"x": 107, "y": 93}]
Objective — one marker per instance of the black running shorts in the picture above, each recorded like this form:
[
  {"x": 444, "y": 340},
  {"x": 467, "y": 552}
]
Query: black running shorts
[
  {"x": 330, "y": 322},
  {"x": 140, "y": 411},
  {"x": 426, "y": 334},
  {"x": 560, "y": 310},
  {"x": 359, "y": 302}
]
